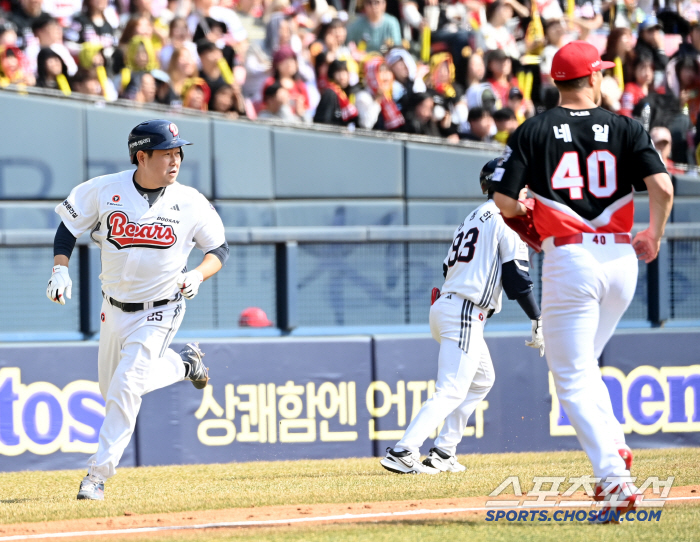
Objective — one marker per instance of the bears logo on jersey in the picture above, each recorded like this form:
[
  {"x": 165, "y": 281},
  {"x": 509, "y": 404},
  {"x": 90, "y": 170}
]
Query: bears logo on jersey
[{"x": 125, "y": 234}]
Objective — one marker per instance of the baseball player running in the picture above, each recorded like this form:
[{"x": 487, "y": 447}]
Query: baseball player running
[
  {"x": 486, "y": 258},
  {"x": 583, "y": 163},
  {"x": 146, "y": 225}
]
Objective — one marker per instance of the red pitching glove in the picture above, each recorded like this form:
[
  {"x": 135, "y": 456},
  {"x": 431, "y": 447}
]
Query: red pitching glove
[{"x": 524, "y": 226}]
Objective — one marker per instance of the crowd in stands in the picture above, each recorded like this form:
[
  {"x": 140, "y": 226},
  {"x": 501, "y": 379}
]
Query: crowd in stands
[{"x": 458, "y": 69}]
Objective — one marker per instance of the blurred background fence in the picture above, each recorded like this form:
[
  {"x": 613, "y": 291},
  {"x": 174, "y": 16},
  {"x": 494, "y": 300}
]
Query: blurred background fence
[{"x": 317, "y": 281}]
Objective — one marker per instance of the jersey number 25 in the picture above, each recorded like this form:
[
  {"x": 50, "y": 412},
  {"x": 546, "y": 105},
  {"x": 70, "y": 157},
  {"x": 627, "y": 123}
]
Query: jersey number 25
[
  {"x": 469, "y": 244},
  {"x": 568, "y": 174}
]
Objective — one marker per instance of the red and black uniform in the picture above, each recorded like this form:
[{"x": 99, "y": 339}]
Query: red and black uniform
[{"x": 582, "y": 166}]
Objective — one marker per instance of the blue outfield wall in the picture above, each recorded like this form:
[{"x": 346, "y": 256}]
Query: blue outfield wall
[{"x": 294, "y": 398}]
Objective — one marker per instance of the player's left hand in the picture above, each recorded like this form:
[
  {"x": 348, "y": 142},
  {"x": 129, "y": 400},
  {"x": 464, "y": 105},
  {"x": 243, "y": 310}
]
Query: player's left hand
[
  {"x": 60, "y": 285},
  {"x": 646, "y": 246},
  {"x": 537, "y": 337},
  {"x": 188, "y": 283}
]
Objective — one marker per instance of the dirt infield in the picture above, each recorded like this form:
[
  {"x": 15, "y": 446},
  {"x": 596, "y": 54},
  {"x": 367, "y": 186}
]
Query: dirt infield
[{"x": 281, "y": 515}]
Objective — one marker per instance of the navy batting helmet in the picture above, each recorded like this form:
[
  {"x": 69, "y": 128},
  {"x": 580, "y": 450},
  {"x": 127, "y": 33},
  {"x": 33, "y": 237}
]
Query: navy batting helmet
[
  {"x": 155, "y": 135},
  {"x": 486, "y": 175}
]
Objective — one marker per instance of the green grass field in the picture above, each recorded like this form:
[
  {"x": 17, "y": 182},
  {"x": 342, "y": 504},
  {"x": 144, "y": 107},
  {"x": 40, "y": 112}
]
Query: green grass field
[{"x": 46, "y": 496}]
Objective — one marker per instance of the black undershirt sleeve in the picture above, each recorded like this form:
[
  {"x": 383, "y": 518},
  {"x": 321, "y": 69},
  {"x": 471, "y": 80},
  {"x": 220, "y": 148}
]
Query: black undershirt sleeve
[
  {"x": 63, "y": 242},
  {"x": 221, "y": 252},
  {"x": 517, "y": 285}
]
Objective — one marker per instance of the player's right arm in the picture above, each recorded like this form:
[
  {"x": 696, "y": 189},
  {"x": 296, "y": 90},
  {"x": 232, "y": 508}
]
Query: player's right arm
[
  {"x": 513, "y": 175},
  {"x": 646, "y": 243},
  {"x": 79, "y": 212}
]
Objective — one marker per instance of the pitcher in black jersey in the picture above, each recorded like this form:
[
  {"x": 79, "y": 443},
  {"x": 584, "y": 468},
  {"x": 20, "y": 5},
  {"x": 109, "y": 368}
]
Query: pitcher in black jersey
[{"x": 583, "y": 165}]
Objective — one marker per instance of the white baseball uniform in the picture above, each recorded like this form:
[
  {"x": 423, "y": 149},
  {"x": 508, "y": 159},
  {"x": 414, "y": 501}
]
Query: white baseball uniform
[
  {"x": 472, "y": 289},
  {"x": 143, "y": 251}
]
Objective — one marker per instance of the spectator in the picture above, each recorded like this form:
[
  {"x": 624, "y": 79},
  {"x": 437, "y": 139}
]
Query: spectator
[
  {"x": 179, "y": 37},
  {"x": 331, "y": 39},
  {"x": 92, "y": 57},
  {"x": 523, "y": 109},
  {"x": 498, "y": 31},
  {"x": 86, "y": 82},
  {"x": 661, "y": 137},
  {"x": 506, "y": 123},
  {"x": 480, "y": 124},
  {"x": 211, "y": 57},
  {"x": 181, "y": 68},
  {"x": 620, "y": 45},
  {"x": 276, "y": 105},
  {"x": 196, "y": 94},
  {"x": 165, "y": 95},
  {"x": 48, "y": 33},
  {"x": 252, "y": 22},
  {"x": 24, "y": 13},
  {"x": 375, "y": 105},
  {"x": 482, "y": 95},
  {"x": 14, "y": 68},
  {"x": 140, "y": 57},
  {"x": 374, "y": 30},
  {"x": 141, "y": 88},
  {"x": 421, "y": 119},
  {"x": 499, "y": 74},
  {"x": 335, "y": 106},
  {"x": 587, "y": 17},
  {"x": 235, "y": 32},
  {"x": 684, "y": 82},
  {"x": 49, "y": 67},
  {"x": 555, "y": 34},
  {"x": 476, "y": 70},
  {"x": 691, "y": 46},
  {"x": 406, "y": 80},
  {"x": 441, "y": 80},
  {"x": 279, "y": 32},
  {"x": 8, "y": 33},
  {"x": 135, "y": 27},
  {"x": 286, "y": 72},
  {"x": 228, "y": 100},
  {"x": 639, "y": 88},
  {"x": 91, "y": 25},
  {"x": 651, "y": 41}
]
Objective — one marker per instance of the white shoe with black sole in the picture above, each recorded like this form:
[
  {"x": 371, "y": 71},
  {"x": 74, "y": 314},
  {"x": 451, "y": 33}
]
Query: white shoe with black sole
[
  {"x": 404, "y": 462},
  {"x": 443, "y": 462}
]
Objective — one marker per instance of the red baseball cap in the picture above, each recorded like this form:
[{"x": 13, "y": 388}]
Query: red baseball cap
[
  {"x": 253, "y": 317},
  {"x": 577, "y": 59}
]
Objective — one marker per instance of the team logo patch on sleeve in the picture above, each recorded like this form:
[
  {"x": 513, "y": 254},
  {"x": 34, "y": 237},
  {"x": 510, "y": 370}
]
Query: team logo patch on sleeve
[{"x": 125, "y": 234}]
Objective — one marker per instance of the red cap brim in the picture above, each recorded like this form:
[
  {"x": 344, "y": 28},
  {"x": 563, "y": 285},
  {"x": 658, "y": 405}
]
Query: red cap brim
[{"x": 607, "y": 65}]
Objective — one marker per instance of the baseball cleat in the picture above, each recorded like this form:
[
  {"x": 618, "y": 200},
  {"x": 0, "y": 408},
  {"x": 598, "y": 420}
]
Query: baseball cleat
[
  {"x": 92, "y": 489},
  {"x": 622, "y": 498},
  {"x": 443, "y": 462},
  {"x": 194, "y": 367},
  {"x": 626, "y": 454},
  {"x": 405, "y": 463}
]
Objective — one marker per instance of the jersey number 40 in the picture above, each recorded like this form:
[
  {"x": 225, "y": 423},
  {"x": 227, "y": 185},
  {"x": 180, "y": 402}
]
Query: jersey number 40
[
  {"x": 469, "y": 244},
  {"x": 568, "y": 174}
]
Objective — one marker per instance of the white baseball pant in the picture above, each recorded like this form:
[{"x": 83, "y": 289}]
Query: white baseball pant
[
  {"x": 465, "y": 375},
  {"x": 133, "y": 360},
  {"x": 586, "y": 288}
]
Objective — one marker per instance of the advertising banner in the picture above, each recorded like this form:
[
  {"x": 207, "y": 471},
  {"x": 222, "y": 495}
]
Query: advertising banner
[{"x": 313, "y": 398}]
